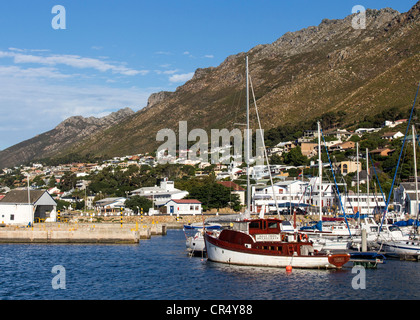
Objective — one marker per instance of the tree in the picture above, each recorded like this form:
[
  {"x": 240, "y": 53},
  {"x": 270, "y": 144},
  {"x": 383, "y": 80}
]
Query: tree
[
  {"x": 211, "y": 194},
  {"x": 295, "y": 157},
  {"x": 135, "y": 203}
]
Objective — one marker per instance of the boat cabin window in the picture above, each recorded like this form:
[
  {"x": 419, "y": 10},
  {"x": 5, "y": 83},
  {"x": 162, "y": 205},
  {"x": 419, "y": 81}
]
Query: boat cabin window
[
  {"x": 272, "y": 225},
  {"x": 254, "y": 225}
]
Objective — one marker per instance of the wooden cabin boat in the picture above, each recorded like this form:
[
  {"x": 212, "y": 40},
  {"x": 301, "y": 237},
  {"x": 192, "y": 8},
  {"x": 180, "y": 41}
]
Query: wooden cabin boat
[{"x": 260, "y": 242}]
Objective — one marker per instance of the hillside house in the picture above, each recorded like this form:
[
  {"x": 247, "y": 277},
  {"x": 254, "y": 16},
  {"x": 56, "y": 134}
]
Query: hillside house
[
  {"x": 339, "y": 134},
  {"x": 15, "y": 209},
  {"x": 383, "y": 152},
  {"x": 392, "y": 124},
  {"x": 309, "y": 149},
  {"x": 236, "y": 189},
  {"x": 344, "y": 146},
  {"x": 392, "y": 135},
  {"x": 349, "y": 166}
]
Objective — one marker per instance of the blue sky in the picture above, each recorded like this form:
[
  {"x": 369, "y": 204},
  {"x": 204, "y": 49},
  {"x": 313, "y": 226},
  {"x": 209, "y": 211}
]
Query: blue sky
[{"x": 114, "y": 54}]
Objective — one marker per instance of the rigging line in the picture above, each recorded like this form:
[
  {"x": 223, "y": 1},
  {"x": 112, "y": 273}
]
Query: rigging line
[
  {"x": 399, "y": 159},
  {"x": 335, "y": 181},
  {"x": 265, "y": 150}
]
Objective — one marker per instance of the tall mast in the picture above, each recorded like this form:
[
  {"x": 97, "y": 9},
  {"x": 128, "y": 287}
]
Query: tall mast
[
  {"x": 415, "y": 172},
  {"x": 248, "y": 188},
  {"x": 320, "y": 171},
  {"x": 358, "y": 181},
  {"x": 367, "y": 181}
]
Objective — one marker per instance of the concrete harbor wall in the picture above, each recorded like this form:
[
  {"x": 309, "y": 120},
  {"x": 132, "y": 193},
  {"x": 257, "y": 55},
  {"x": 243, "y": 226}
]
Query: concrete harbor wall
[{"x": 81, "y": 233}]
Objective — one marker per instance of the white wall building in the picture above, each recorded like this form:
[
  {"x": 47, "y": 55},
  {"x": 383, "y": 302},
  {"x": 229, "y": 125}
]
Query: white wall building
[
  {"x": 183, "y": 207},
  {"x": 110, "y": 205},
  {"x": 161, "y": 195},
  {"x": 15, "y": 209}
]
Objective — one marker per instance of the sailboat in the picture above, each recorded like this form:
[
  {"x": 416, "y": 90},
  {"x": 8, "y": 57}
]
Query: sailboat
[
  {"x": 261, "y": 242},
  {"x": 408, "y": 248}
]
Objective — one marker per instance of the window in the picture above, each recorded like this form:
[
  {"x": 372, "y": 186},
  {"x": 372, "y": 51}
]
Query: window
[
  {"x": 12, "y": 217},
  {"x": 254, "y": 224}
]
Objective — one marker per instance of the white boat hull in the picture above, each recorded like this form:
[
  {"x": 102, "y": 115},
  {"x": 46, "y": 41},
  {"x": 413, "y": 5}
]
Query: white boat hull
[
  {"x": 195, "y": 244},
  {"x": 401, "y": 248},
  {"x": 223, "y": 255}
]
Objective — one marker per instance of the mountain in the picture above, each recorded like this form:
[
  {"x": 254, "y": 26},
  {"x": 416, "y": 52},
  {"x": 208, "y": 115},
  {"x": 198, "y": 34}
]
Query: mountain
[
  {"x": 67, "y": 135},
  {"x": 331, "y": 67}
]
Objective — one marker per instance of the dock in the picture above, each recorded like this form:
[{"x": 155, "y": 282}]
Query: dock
[{"x": 69, "y": 233}]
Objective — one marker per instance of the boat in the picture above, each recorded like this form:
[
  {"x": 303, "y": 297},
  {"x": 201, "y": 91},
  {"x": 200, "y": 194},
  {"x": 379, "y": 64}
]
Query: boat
[
  {"x": 195, "y": 242},
  {"x": 261, "y": 241},
  {"x": 201, "y": 225},
  {"x": 367, "y": 259},
  {"x": 329, "y": 244},
  {"x": 409, "y": 249}
]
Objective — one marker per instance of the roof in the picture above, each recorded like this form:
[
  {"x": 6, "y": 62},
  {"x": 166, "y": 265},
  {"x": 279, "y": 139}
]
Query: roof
[
  {"x": 21, "y": 196},
  {"x": 409, "y": 185},
  {"x": 232, "y": 185},
  {"x": 390, "y": 134},
  {"x": 379, "y": 150},
  {"x": 185, "y": 201}
]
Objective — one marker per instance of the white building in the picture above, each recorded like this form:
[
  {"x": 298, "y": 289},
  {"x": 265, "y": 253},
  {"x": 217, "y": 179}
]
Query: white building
[
  {"x": 183, "y": 207},
  {"x": 15, "y": 209},
  {"x": 161, "y": 195},
  {"x": 110, "y": 205},
  {"x": 405, "y": 196}
]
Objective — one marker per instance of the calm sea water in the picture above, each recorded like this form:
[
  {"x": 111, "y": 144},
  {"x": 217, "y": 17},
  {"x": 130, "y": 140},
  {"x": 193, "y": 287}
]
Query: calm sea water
[{"x": 159, "y": 269}]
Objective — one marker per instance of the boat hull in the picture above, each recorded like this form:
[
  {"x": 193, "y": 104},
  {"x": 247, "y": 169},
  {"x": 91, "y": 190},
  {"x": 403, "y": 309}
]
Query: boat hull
[
  {"x": 400, "y": 248},
  {"x": 220, "y": 251},
  {"x": 195, "y": 244}
]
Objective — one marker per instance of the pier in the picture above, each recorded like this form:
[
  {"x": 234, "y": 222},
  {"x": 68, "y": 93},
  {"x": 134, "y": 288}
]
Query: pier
[{"x": 85, "y": 233}]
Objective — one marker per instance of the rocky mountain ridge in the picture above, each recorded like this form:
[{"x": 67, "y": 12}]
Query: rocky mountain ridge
[
  {"x": 301, "y": 76},
  {"x": 68, "y": 133}
]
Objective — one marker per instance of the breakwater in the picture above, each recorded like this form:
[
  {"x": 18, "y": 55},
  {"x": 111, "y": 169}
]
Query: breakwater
[{"x": 104, "y": 233}]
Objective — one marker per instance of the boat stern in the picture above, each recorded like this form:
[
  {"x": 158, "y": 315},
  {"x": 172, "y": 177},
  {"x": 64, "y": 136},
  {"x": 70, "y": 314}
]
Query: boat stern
[{"x": 338, "y": 260}]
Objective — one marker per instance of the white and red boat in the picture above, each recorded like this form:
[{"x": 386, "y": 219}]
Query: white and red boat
[{"x": 260, "y": 242}]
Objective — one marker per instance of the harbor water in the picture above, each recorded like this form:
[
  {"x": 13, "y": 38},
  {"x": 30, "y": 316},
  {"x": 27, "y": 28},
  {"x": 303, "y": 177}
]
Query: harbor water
[{"x": 160, "y": 269}]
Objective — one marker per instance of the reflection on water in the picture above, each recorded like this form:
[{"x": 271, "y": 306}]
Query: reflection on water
[{"x": 160, "y": 269}]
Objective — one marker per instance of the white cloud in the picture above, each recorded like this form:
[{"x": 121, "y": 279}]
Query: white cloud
[
  {"x": 181, "y": 77},
  {"x": 166, "y": 53},
  {"x": 31, "y": 105},
  {"x": 17, "y": 72},
  {"x": 166, "y": 71},
  {"x": 74, "y": 61},
  {"x": 209, "y": 56}
]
